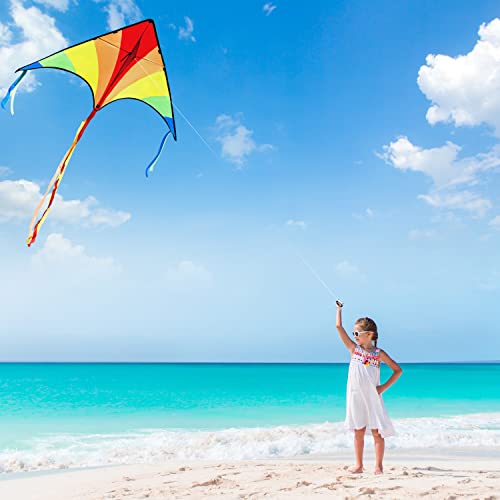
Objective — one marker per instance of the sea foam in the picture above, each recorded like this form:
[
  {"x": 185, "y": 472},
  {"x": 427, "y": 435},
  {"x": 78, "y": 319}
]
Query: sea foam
[{"x": 58, "y": 451}]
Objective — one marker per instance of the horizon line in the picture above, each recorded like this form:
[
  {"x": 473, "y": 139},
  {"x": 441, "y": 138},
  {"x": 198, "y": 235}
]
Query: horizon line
[{"x": 237, "y": 362}]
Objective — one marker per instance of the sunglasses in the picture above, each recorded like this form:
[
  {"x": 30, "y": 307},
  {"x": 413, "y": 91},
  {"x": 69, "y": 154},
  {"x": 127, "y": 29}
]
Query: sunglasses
[{"x": 357, "y": 334}]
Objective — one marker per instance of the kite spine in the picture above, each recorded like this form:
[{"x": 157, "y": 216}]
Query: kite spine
[{"x": 54, "y": 183}]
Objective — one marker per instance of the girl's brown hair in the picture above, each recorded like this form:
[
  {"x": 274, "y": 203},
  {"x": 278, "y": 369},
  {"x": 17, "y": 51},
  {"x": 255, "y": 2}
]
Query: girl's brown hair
[{"x": 370, "y": 326}]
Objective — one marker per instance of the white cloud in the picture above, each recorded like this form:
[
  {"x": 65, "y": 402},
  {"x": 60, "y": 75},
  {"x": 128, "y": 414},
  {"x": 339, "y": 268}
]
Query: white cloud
[
  {"x": 236, "y": 139},
  {"x": 186, "y": 32},
  {"x": 421, "y": 234},
  {"x": 186, "y": 275},
  {"x": 5, "y": 34},
  {"x": 495, "y": 222},
  {"x": 446, "y": 170},
  {"x": 441, "y": 164},
  {"x": 63, "y": 257},
  {"x": 465, "y": 90},
  {"x": 18, "y": 200},
  {"x": 268, "y": 8},
  {"x": 4, "y": 171},
  {"x": 347, "y": 269},
  {"x": 448, "y": 218},
  {"x": 61, "y": 5},
  {"x": 122, "y": 12},
  {"x": 463, "y": 200},
  {"x": 296, "y": 223},
  {"x": 367, "y": 214},
  {"x": 39, "y": 38}
]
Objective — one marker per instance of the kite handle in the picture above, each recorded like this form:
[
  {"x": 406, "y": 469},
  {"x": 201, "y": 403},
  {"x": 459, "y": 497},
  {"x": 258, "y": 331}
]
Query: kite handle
[
  {"x": 12, "y": 92},
  {"x": 150, "y": 167}
]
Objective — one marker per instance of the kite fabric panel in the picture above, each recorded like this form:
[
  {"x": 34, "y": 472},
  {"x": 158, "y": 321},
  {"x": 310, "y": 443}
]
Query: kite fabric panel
[{"x": 123, "y": 64}]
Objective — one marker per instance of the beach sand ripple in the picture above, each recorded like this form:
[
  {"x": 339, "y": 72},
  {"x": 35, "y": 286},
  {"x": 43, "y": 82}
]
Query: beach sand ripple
[{"x": 470, "y": 478}]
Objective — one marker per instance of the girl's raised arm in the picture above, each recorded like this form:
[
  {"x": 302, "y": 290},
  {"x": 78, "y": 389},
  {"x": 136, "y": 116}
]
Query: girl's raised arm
[{"x": 350, "y": 344}]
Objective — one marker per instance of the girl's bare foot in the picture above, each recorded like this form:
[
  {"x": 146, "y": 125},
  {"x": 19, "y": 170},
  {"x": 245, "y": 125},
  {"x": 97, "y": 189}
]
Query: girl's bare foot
[
  {"x": 379, "y": 470},
  {"x": 356, "y": 469}
]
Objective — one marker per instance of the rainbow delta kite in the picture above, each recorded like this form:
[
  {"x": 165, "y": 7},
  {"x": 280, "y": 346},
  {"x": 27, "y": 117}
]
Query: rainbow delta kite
[{"x": 123, "y": 64}]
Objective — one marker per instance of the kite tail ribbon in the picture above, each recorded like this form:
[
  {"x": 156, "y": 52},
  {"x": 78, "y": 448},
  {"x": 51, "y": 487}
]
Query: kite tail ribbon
[
  {"x": 151, "y": 166},
  {"x": 11, "y": 93},
  {"x": 54, "y": 183}
]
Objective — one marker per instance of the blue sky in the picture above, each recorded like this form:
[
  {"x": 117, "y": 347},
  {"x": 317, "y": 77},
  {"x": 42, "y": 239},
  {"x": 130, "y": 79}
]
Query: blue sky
[{"x": 361, "y": 135}]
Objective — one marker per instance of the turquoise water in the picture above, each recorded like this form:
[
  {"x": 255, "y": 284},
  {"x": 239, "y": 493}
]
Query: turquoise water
[{"x": 42, "y": 401}]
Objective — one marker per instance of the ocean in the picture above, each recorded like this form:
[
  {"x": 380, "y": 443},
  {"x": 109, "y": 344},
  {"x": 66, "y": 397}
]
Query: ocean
[{"x": 59, "y": 415}]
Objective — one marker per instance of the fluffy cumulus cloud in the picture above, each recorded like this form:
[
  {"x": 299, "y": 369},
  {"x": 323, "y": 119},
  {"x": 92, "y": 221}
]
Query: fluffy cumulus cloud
[
  {"x": 268, "y": 8},
  {"x": 236, "y": 139},
  {"x": 18, "y": 200},
  {"x": 30, "y": 36},
  {"x": 441, "y": 164},
  {"x": 449, "y": 173},
  {"x": 60, "y": 255},
  {"x": 121, "y": 12},
  {"x": 465, "y": 90}
]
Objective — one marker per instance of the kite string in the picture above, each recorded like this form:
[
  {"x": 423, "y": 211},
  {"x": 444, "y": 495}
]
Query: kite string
[
  {"x": 196, "y": 132},
  {"x": 55, "y": 181},
  {"x": 317, "y": 276},
  {"x": 180, "y": 112}
]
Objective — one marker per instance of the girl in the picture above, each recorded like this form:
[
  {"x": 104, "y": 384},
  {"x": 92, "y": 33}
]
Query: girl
[{"x": 365, "y": 406}]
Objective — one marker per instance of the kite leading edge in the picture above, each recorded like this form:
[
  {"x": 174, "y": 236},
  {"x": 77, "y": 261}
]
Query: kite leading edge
[{"x": 123, "y": 64}]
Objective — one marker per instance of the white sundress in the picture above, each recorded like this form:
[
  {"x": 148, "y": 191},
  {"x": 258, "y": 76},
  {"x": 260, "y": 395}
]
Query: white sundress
[{"x": 365, "y": 406}]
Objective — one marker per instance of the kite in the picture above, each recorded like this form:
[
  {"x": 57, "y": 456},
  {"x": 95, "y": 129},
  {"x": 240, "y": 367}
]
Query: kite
[{"x": 123, "y": 64}]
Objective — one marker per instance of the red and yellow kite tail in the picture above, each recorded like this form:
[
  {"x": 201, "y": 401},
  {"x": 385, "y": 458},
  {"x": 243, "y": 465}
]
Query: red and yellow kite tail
[{"x": 55, "y": 181}]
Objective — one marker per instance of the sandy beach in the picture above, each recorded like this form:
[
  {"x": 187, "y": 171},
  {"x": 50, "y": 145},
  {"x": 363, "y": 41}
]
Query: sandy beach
[{"x": 406, "y": 475}]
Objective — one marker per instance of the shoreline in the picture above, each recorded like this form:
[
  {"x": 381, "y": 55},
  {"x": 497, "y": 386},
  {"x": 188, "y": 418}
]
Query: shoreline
[{"x": 415, "y": 473}]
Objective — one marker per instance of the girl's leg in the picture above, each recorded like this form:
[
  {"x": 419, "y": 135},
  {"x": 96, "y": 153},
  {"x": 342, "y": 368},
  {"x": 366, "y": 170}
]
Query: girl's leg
[
  {"x": 359, "y": 443},
  {"x": 379, "y": 451}
]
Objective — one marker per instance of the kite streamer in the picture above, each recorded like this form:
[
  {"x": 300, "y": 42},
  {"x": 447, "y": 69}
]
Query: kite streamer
[
  {"x": 54, "y": 183},
  {"x": 123, "y": 64},
  {"x": 11, "y": 93},
  {"x": 151, "y": 166}
]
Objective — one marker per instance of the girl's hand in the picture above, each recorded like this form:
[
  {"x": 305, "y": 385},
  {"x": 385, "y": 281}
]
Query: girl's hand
[
  {"x": 380, "y": 389},
  {"x": 339, "y": 304}
]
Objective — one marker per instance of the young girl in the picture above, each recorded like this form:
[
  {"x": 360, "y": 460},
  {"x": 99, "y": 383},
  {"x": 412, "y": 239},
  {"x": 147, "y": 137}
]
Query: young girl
[{"x": 365, "y": 406}]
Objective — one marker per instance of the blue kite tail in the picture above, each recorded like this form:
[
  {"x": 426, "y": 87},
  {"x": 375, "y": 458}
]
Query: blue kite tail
[
  {"x": 12, "y": 92},
  {"x": 150, "y": 167}
]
